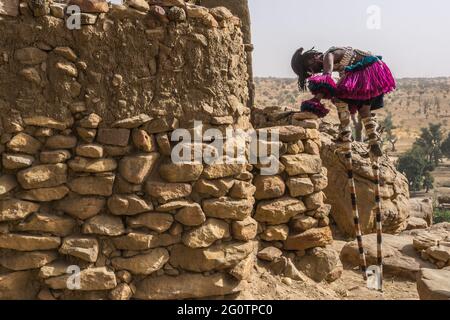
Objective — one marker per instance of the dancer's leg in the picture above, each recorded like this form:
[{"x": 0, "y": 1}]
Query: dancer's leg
[
  {"x": 371, "y": 126},
  {"x": 345, "y": 138}
]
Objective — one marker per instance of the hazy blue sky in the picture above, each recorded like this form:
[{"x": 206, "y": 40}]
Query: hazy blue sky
[{"x": 414, "y": 35}]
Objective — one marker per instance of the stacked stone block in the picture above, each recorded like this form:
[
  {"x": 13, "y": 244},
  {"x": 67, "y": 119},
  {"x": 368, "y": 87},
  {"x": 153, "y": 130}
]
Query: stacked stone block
[{"x": 290, "y": 208}]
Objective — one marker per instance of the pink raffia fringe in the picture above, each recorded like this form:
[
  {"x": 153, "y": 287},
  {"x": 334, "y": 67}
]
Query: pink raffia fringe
[
  {"x": 373, "y": 81},
  {"x": 323, "y": 84}
]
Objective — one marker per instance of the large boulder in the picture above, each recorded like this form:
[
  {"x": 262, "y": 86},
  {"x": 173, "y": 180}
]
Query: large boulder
[
  {"x": 394, "y": 190},
  {"x": 422, "y": 208},
  {"x": 320, "y": 264},
  {"x": 433, "y": 284},
  {"x": 399, "y": 257}
]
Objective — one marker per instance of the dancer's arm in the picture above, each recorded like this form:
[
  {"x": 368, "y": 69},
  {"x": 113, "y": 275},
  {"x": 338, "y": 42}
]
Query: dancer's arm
[{"x": 328, "y": 63}]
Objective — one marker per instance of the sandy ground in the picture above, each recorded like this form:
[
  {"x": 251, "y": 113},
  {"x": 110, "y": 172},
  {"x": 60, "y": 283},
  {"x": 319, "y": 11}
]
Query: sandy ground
[{"x": 265, "y": 286}]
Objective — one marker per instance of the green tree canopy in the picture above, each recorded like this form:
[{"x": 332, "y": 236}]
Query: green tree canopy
[
  {"x": 430, "y": 142},
  {"x": 413, "y": 165}
]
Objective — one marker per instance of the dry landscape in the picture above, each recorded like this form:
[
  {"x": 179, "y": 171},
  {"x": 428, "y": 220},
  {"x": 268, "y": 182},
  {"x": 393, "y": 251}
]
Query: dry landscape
[
  {"x": 414, "y": 105},
  {"x": 94, "y": 203}
]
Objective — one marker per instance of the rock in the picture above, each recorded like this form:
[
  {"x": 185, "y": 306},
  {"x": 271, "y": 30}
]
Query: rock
[
  {"x": 176, "y": 14},
  {"x": 215, "y": 188},
  {"x": 121, "y": 186},
  {"x": 425, "y": 240},
  {"x": 91, "y": 150},
  {"x": 16, "y": 161},
  {"x": 223, "y": 170},
  {"x": 79, "y": 164},
  {"x": 440, "y": 252},
  {"x": 433, "y": 284},
  {"x": 165, "y": 192},
  {"x": 320, "y": 264},
  {"x": 49, "y": 223},
  {"x": 159, "y": 222},
  {"x": 300, "y": 187},
  {"x": 61, "y": 142},
  {"x": 93, "y": 185},
  {"x": 160, "y": 125},
  {"x": 303, "y": 223},
  {"x": 244, "y": 230},
  {"x": 91, "y": 6},
  {"x": 81, "y": 207},
  {"x": 9, "y": 8},
  {"x": 91, "y": 121},
  {"x": 275, "y": 233},
  {"x": 13, "y": 209},
  {"x": 122, "y": 292},
  {"x": 278, "y": 211},
  {"x": 399, "y": 257},
  {"x": 24, "y": 143},
  {"x": 421, "y": 208},
  {"x": 395, "y": 209},
  {"x": 269, "y": 254},
  {"x": 137, "y": 241},
  {"x": 135, "y": 169},
  {"x": 127, "y": 205},
  {"x": 91, "y": 279},
  {"x": 205, "y": 235},
  {"x": 54, "y": 269},
  {"x": 22, "y": 242},
  {"x": 115, "y": 137},
  {"x": 285, "y": 267},
  {"x": 217, "y": 257},
  {"x": 301, "y": 164},
  {"x": 312, "y": 238},
  {"x": 54, "y": 156},
  {"x": 44, "y": 194},
  {"x": 7, "y": 183},
  {"x": 181, "y": 172},
  {"x": 415, "y": 223},
  {"x": 243, "y": 270},
  {"x": 191, "y": 215},
  {"x": 145, "y": 264},
  {"x": 228, "y": 208},
  {"x": 133, "y": 122},
  {"x": 66, "y": 53},
  {"x": 242, "y": 190},
  {"x": 85, "y": 248},
  {"x": 186, "y": 286},
  {"x": 143, "y": 141},
  {"x": 43, "y": 176},
  {"x": 140, "y": 5},
  {"x": 46, "y": 122},
  {"x": 105, "y": 225},
  {"x": 175, "y": 205},
  {"x": 163, "y": 141},
  {"x": 269, "y": 187},
  {"x": 30, "y": 56},
  {"x": 17, "y": 286},
  {"x": 19, "y": 261},
  {"x": 314, "y": 201}
]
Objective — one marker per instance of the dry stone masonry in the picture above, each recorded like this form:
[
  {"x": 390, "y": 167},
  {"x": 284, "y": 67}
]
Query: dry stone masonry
[{"x": 88, "y": 186}]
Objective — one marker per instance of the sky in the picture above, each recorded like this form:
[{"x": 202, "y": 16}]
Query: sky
[{"x": 413, "y": 36}]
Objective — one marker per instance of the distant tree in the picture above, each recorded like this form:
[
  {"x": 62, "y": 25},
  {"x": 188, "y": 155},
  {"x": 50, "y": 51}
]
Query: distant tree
[
  {"x": 428, "y": 181},
  {"x": 430, "y": 141},
  {"x": 445, "y": 147},
  {"x": 414, "y": 165},
  {"x": 388, "y": 126}
]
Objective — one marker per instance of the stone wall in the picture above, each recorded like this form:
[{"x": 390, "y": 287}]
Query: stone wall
[
  {"x": 394, "y": 185},
  {"x": 87, "y": 180}
]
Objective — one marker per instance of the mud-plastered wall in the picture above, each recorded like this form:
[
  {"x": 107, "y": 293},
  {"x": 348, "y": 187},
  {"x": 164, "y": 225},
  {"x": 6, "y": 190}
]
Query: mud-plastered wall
[{"x": 92, "y": 204}]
